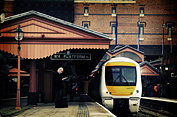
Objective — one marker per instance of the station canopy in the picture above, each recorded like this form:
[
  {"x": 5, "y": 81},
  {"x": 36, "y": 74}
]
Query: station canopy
[{"x": 45, "y": 35}]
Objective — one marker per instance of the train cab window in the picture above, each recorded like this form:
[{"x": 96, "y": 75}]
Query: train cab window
[
  {"x": 120, "y": 76},
  {"x": 128, "y": 73}
]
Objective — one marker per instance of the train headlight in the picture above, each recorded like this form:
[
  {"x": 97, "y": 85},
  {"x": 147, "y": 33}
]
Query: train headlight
[{"x": 105, "y": 91}]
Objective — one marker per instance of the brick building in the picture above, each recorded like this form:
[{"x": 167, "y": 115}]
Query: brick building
[{"x": 138, "y": 18}]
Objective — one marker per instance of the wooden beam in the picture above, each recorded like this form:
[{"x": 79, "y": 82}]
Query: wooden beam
[{"x": 106, "y": 2}]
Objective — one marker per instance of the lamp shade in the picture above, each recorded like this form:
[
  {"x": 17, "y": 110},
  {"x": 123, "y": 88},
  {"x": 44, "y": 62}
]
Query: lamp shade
[{"x": 18, "y": 33}]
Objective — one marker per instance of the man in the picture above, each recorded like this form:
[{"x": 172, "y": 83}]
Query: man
[{"x": 59, "y": 88}]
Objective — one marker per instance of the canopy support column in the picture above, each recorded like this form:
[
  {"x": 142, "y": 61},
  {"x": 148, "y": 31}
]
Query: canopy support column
[{"x": 32, "y": 98}]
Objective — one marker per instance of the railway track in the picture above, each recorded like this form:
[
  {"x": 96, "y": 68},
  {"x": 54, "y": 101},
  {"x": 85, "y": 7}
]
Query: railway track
[
  {"x": 155, "y": 107},
  {"x": 150, "y": 112}
]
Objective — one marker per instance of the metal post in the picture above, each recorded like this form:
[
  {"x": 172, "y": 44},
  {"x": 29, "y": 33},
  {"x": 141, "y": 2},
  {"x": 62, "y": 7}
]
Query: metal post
[
  {"x": 171, "y": 46},
  {"x": 116, "y": 30},
  {"x": 163, "y": 39},
  {"x": 138, "y": 35},
  {"x": 18, "y": 78}
]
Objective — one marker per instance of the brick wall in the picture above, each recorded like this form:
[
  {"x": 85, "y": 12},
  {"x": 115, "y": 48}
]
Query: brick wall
[
  {"x": 9, "y": 7},
  {"x": 155, "y": 12}
]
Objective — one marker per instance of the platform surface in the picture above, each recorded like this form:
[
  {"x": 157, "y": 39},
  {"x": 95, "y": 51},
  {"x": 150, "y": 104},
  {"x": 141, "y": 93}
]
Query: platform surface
[
  {"x": 82, "y": 106},
  {"x": 161, "y": 99}
]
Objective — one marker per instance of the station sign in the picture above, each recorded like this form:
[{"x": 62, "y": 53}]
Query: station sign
[{"x": 72, "y": 56}]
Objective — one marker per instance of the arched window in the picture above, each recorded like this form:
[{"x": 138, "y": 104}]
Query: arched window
[{"x": 130, "y": 55}]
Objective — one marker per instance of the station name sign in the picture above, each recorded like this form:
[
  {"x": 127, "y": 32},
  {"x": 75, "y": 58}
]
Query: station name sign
[{"x": 72, "y": 56}]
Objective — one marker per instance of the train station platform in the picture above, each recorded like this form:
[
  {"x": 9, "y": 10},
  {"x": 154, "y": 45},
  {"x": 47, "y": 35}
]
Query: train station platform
[
  {"x": 160, "y": 99},
  {"x": 81, "y": 106}
]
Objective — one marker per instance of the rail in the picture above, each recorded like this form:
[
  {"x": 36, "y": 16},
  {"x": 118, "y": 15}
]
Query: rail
[{"x": 160, "y": 105}]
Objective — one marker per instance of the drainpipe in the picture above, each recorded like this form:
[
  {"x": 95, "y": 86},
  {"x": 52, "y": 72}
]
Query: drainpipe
[
  {"x": 163, "y": 40},
  {"x": 116, "y": 30},
  {"x": 171, "y": 46},
  {"x": 138, "y": 47}
]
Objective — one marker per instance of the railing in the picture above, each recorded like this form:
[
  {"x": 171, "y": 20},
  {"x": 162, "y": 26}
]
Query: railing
[{"x": 104, "y": 1}]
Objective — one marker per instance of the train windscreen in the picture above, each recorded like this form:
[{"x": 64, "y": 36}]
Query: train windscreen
[{"x": 120, "y": 76}]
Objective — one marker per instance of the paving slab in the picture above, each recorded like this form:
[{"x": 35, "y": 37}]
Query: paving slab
[{"x": 84, "y": 107}]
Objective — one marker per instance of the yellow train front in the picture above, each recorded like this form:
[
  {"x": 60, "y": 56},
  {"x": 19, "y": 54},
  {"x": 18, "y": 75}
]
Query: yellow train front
[{"x": 117, "y": 84}]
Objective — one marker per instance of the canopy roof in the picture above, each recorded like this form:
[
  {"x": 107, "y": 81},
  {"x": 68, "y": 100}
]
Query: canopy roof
[
  {"x": 148, "y": 70},
  {"x": 45, "y": 35}
]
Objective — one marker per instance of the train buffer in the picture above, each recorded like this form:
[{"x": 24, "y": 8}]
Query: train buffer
[{"x": 81, "y": 106}]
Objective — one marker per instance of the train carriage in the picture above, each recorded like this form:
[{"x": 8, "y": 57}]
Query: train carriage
[{"x": 117, "y": 84}]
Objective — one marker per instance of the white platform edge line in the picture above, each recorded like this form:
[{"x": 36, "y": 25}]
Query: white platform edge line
[
  {"x": 106, "y": 109},
  {"x": 162, "y": 100},
  {"x": 103, "y": 107}
]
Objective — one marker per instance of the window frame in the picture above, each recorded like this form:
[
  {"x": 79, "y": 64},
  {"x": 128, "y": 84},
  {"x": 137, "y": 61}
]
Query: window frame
[
  {"x": 113, "y": 8},
  {"x": 141, "y": 33},
  {"x": 86, "y": 25},
  {"x": 141, "y": 9},
  {"x": 170, "y": 31},
  {"x": 86, "y": 8},
  {"x": 113, "y": 33},
  {"x": 122, "y": 81}
]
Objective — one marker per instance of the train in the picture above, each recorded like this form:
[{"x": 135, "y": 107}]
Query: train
[{"x": 117, "y": 85}]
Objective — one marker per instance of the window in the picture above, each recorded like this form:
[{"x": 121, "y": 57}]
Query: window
[
  {"x": 85, "y": 25},
  {"x": 141, "y": 11},
  {"x": 113, "y": 11},
  {"x": 169, "y": 32},
  {"x": 113, "y": 30},
  {"x": 131, "y": 55},
  {"x": 120, "y": 76},
  {"x": 141, "y": 31},
  {"x": 85, "y": 11}
]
